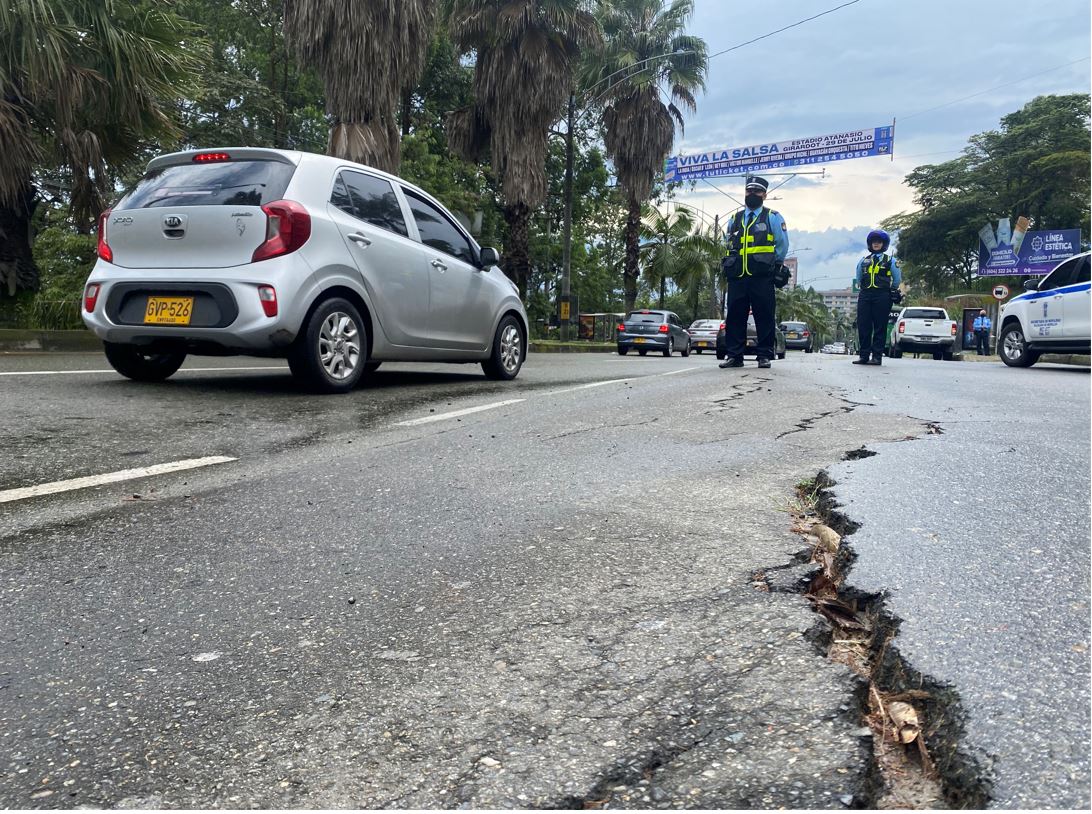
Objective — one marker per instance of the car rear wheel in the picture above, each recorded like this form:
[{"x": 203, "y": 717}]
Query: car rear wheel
[
  {"x": 642, "y": 351},
  {"x": 508, "y": 351},
  {"x": 329, "y": 354},
  {"x": 142, "y": 365},
  {"x": 622, "y": 351},
  {"x": 697, "y": 351},
  {"x": 807, "y": 349},
  {"x": 783, "y": 354},
  {"x": 686, "y": 350},
  {"x": 670, "y": 349},
  {"x": 1013, "y": 348}
]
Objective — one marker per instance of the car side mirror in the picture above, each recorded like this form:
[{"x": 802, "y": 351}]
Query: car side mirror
[
  {"x": 1031, "y": 285},
  {"x": 488, "y": 257}
]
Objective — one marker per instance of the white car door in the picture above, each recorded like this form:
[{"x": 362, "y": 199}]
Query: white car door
[
  {"x": 370, "y": 218},
  {"x": 1077, "y": 303},
  {"x": 461, "y": 300},
  {"x": 1046, "y": 311}
]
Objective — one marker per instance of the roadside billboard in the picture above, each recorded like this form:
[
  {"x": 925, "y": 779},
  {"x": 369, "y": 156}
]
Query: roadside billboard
[
  {"x": 777, "y": 155},
  {"x": 1017, "y": 252}
]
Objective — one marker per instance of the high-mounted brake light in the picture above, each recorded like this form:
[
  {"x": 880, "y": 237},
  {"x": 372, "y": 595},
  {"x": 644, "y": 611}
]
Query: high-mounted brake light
[
  {"x": 288, "y": 226},
  {"x": 104, "y": 250},
  {"x": 208, "y": 158},
  {"x": 664, "y": 329},
  {"x": 90, "y": 297},
  {"x": 268, "y": 295},
  {"x": 902, "y": 327}
]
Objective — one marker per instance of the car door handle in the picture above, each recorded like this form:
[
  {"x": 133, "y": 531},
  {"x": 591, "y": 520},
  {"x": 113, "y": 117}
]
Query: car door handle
[
  {"x": 363, "y": 240},
  {"x": 439, "y": 264}
]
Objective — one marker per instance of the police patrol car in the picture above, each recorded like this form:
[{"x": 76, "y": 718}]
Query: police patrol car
[{"x": 1051, "y": 316}]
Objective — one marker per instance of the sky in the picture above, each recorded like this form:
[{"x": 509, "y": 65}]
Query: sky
[{"x": 858, "y": 68}]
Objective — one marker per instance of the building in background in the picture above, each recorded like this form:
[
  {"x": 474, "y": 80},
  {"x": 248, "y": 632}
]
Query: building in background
[
  {"x": 842, "y": 301},
  {"x": 792, "y": 264}
]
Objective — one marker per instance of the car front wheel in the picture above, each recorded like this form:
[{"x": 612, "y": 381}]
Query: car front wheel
[
  {"x": 508, "y": 351},
  {"x": 141, "y": 365},
  {"x": 1013, "y": 347},
  {"x": 330, "y": 353}
]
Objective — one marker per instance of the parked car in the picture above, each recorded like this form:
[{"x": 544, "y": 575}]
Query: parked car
[
  {"x": 335, "y": 266},
  {"x": 703, "y": 334},
  {"x": 650, "y": 329},
  {"x": 1051, "y": 316},
  {"x": 797, "y": 336},
  {"x": 923, "y": 330},
  {"x": 838, "y": 347},
  {"x": 752, "y": 340}
]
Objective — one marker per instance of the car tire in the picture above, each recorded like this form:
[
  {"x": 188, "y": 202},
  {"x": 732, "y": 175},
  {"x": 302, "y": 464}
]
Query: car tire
[
  {"x": 807, "y": 350},
  {"x": 947, "y": 356},
  {"x": 509, "y": 351},
  {"x": 1013, "y": 348},
  {"x": 642, "y": 351},
  {"x": 622, "y": 351},
  {"x": 330, "y": 352},
  {"x": 697, "y": 351},
  {"x": 140, "y": 365},
  {"x": 371, "y": 367},
  {"x": 686, "y": 350},
  {"x": 783, "y": 354},
  {"x": 896, "y": 352},
  {"x": 670, "y": 349}
]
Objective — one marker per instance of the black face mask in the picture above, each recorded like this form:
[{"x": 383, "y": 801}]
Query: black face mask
[{"x": 753, "y": 201}]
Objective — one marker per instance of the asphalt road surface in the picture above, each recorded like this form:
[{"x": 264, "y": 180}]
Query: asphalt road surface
[{"x": 440, "y": 591}]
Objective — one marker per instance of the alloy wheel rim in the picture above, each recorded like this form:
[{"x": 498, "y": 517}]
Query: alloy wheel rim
[
  {"x": 1014, "y": 344},
  {"x": 339, "y": 345},
  {"x": 511, "y": 348}
]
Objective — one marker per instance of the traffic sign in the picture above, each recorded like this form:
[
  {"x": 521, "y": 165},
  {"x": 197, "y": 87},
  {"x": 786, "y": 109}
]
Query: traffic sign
[{"x": 1000, "y": 292}]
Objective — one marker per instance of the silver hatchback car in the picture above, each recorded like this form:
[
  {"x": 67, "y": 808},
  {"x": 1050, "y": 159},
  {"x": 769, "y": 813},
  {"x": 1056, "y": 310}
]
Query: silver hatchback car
[{"x": 335, "y": 266}]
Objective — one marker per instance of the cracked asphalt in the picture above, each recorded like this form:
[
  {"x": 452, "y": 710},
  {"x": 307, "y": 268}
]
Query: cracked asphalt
[{"x": 549, "y": 603}]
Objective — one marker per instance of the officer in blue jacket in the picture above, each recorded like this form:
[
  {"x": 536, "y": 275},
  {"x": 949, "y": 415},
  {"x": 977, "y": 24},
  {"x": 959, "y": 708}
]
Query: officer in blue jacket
[
  {"x": 758, "y": 241},
  {"x": 982, "y": 325},
  {"x": 878, "y": 279}
]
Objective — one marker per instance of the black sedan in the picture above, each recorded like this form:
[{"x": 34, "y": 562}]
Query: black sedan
[{"x": 650, "y": 329}]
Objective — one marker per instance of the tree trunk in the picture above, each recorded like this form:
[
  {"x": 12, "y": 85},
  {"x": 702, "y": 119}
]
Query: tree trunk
[
  {"x": 663, "y": 291},
  {"x": 632, "y": 233},
  {"x": 374, "y": 143},
  {"x": 517, "y": 260},
  {"x": 18, "y": 271},
  {"x": 567, "y": 217}
]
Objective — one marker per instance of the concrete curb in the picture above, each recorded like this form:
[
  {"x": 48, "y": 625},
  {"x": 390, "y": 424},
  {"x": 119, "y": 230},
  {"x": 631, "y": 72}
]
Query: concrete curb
[
  {"x": 15, "y": 340},
  {"x": 541, "y": 347}
]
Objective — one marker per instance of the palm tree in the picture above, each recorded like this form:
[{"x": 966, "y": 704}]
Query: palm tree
[
  {"x": 673, "y": 249},
  {"x": 83, "y": 85},
  {"x": 644, "y": 47},
  {"x": 805, "y": 305},
  {"x": 367, "y": 54},
  {"x": 527, "y": 51}
]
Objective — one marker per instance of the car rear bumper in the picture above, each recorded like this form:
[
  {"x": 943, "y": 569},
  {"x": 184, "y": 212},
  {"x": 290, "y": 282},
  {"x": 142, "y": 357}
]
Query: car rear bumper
[
  {"x": 798, "y": 344},
  {"x": 925, "y": 343},
  {"x": 645, "y": 342}
]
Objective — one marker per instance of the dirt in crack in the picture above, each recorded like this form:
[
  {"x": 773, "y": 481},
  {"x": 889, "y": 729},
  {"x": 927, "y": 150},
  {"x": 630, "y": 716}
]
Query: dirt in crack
[{"x": 916, "y": 722}]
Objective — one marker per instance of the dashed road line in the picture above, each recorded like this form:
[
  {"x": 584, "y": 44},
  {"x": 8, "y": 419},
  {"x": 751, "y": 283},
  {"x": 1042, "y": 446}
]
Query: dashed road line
[
  {"x": 428, "y": 419},
  {"x": 110, "y": 477}
]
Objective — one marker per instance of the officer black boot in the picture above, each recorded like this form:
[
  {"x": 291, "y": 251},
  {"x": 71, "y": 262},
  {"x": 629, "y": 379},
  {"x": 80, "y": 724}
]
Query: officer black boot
[
  {"x": 875, "y": 360},
  {"x": 764, "y": 363},
  {"x": 736, "y": 362},
  {"x": 862, "y": 361}
]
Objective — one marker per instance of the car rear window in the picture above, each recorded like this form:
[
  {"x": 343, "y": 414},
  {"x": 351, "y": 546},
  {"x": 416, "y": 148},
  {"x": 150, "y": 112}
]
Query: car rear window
[
  {"x": 795, "y": 326},
  {"x": 637, "y": 316},
  {"x": 705, "y": 323},
  {"x": 924, "y": 313},
  {"x": 227, "y": 183}
]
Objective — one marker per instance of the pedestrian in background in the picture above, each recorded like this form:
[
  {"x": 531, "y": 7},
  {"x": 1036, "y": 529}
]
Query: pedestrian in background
[
  {"x": 758, "y": 241},
  {"x": 982, "y": 325},
  {"x": 878, "y": 279}
]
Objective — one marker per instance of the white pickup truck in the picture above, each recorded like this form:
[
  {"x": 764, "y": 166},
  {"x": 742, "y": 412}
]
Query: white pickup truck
[{"x": 920, "y": 329}]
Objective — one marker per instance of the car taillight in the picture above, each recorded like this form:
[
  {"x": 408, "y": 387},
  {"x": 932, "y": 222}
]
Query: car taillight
[
  {"x": 722, "y": 326},
  {"x": 90, "y": 297},
  {"x": 806, "y": 334},
  {"x": 953, "y": 329},
  {"x": 208, "y": 158},
  {"x": 288, "y": 226},
  {"x": 621, "y": 327},
  {"x": 268, "y": 295},
  {"x": 664, "y": 329},
  {"x": 902, "y": 327},
  {"x": 104, "y": 250}
]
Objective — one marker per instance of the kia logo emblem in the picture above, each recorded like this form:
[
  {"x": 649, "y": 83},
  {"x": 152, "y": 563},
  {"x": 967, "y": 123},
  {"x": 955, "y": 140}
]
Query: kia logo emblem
[{"x": 172, "y": 221}]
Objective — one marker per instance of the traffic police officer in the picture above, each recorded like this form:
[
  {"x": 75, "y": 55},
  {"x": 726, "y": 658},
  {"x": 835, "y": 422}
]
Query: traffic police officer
[
  {"x": 982, "y": 325},
  {"x": 758, "y": 241},
  {"x": 878, "y": 279}
]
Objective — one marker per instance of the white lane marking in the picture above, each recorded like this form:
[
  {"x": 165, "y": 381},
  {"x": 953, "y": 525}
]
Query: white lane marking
[
  {"x": 111, "y": 370},
  {"x": 680, "y": 370},
  {"x": 110, "y": 477},
  {"x": 413, "y": 422},
  {"x": 585, "y": 386}
]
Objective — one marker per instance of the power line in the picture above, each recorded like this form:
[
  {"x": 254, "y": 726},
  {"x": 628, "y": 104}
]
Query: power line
[
  {"x": 995, "y": 87},
  {"x": 786, "y": 28}
]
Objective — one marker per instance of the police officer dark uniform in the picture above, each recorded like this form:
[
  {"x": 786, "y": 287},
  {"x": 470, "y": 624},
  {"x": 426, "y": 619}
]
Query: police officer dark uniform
[
  {"x": 982, "y": 325},
  {"x": 878, "y": 279},
  {"x": 757, "y": 242}
]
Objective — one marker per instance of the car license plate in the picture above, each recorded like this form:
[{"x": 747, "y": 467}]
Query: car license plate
[
  {"x": 793, "y": 335},
  {"x": 168, "y": 311},
  {"x": 638, "y": 341}
]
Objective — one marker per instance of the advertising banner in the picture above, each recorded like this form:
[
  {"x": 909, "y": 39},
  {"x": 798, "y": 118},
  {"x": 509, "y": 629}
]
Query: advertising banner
[
  {"x": 759, "y": 158},
  {"x": 1008, "y": 252}
]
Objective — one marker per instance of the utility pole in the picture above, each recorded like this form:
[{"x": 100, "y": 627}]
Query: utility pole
[{"x": 567, "y": 220}]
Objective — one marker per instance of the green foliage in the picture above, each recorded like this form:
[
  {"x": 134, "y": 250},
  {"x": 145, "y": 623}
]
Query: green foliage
[
  {"x": 65, "y": 259},
  {"x": 1035, "y": 165}
]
